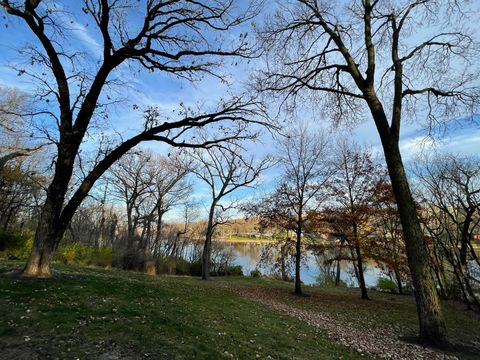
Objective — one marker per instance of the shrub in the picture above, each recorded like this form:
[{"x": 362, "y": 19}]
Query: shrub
[
  {"x": 66, "y": 254},
  {"x": 182, "y": 267},
  {"x": 82, "y": 254},
  {"x": 129, "y": 260},
  {"x": 196, "y": 268},
  {"x": 173, "y": 266},
  {"x": 104, "y": 256},
  {"x": 15, "y": 246},
  {"x": 328, "y": 281},
  {"x": 255, "y": 273},
  {"x": 235, "y": 270},
  {"x": 386, "y": 285}
]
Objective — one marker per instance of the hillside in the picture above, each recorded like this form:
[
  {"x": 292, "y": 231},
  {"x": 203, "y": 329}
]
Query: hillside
[{"x": 88, "y": 313}]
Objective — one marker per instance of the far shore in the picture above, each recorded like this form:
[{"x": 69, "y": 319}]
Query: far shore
[{"x": 235, "y": 239}]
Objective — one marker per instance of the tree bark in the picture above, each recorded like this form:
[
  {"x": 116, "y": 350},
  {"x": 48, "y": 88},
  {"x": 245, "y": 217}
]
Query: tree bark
[
  {"x": 50, "y": 228},
  {"x": 207, "y": 247},
  {"x": 283, "y": 260},
  {"x": 398, "y": 278},
  {"x": 361, "y": 277},
  {"x": 337, "y": 275},
  {"x": 207, "y": 250},
  {"x": 47, "y": 236},
  {"x": 298, "y": 258},
  {"x": 431, "y": 320}
]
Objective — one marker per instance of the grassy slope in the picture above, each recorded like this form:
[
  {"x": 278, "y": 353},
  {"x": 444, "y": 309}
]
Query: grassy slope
[
  {"x": 110, "y": 314},
  {"x": 390, "y": 310},
  {"x": 394, "y": 313}
]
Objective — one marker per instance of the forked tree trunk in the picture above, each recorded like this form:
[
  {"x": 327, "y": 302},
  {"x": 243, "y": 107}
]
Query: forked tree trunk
[
  {"x": 51, "y": 227},
  {"x": 47, "y": 236},
  {"x": 431, "y": 320},
  {"x": 207, "y": 247}
]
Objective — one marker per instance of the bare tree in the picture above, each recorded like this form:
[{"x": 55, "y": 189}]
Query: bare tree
[
  {"x": 392, "y": 59},
  {"x": 93, "y": 224},
  {"x": 15, "y": 139},
  {"x": 132, "y": 182},
  {"x": 149, "y": 186},
  {"x": 171, "y": 188},
  {"x": 21, "y": 184},
  {"x": 451, "y": 190},
  {"x": 173, "y": 37},
  {"x": 306, "y": 165},
  {"x": 224, "y": 170}
]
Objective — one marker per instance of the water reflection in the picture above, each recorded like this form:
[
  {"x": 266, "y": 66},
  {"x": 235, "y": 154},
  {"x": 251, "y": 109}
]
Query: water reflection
[{"x": 248, "y": 254}]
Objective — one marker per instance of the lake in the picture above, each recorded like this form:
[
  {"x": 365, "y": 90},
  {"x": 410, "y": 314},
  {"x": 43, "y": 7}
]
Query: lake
[{"x": 247, "y": 254}]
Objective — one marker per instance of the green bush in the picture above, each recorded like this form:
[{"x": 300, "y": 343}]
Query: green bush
[
  {"x": 182, "y": 267},
  {"x": 255, "y": 273},
  {"x": 196, "y": 268},
  {"x": 328, "y": 281},
  {"x": 235, "y": 270},
  {"x": 386, "y": 285},
  {"x": 104, "y": 256},
  {"x": 14, "y": 245},
  {"x": 128, "y": 260},
  {"x": 173, "y": 266},
  {"x": 82, "y": 254}
]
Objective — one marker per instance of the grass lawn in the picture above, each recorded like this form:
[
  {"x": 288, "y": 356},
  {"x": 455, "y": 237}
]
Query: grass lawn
[
  {"x": 88, "y": 313},
  {"x": 389, "y": 311}
]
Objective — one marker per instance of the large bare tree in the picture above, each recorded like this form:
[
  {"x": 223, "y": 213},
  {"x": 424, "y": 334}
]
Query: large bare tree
[
  {"x": 182, "y": 38},
  {"x": 392, "y": 59}
]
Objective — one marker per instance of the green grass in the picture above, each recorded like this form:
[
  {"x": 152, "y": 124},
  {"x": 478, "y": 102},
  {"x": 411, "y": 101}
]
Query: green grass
[
  {"x": 90, "y": 313},
  {"x": 391, "y": 312},
  {"x": 387, "y": 310}
]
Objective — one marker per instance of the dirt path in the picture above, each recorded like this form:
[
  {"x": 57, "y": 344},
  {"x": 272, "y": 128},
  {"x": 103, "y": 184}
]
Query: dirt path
[{"x": 381, "y": 343}]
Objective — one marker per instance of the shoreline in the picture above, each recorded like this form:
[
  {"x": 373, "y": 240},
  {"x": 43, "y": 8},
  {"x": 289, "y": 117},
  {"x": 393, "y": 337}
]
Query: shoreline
[{"x": 246, "y": 240}]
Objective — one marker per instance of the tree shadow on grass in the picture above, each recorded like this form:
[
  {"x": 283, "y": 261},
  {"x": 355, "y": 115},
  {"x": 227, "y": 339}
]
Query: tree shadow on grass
[
  {"x": 454, "y": 348},
  {"x": 17, "y": 275}
]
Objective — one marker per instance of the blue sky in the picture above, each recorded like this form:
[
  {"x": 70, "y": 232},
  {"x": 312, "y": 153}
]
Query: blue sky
[{"x": 167, "y": 92}]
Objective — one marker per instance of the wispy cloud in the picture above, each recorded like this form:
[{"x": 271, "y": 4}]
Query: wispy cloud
[{"x": 81, "y": 33}]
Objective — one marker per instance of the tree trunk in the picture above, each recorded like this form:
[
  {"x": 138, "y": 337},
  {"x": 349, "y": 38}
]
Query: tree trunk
[
  {"x": 207, "y": 247},
  {"x": 50, "y": 228},
  {"x": 463, "y": 250},
  {"x": 283, "y": 260},
  {"x": 398, "y": 278},
  {"x": 298, "y": 258},
  {"x": 361, "y": 277},
  {"x": 207, "y": 250},
  {"x": 47, "y": 236},
  {"x": 431, "y": 320},
  {"x": 337, "y": 275}
]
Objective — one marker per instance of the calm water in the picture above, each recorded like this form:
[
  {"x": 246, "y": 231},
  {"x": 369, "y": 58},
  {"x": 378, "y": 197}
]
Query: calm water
[{"x": 247, "y": 254}]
